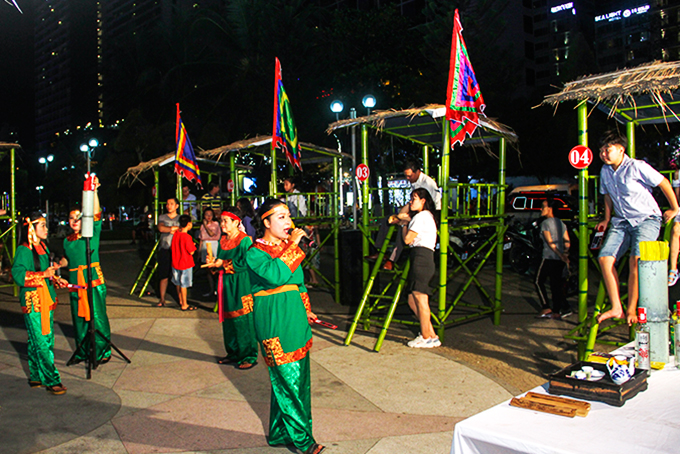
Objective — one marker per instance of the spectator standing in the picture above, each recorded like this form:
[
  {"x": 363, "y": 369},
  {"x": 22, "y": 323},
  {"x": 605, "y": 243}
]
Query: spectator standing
[
  {"x": 168, "y": 224},
  {"x": 183, "y": 249},
  {"x": 296, "y": 203},
  {"x": 209, "y": 234},
  {"x": 212, "y": 199},
  {"x": 189, "y": 208},
  {"x": 247, "y": 215}
]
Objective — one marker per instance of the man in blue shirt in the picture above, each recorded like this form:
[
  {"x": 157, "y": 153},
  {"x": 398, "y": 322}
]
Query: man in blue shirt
[{"x": 634, "y": 216}]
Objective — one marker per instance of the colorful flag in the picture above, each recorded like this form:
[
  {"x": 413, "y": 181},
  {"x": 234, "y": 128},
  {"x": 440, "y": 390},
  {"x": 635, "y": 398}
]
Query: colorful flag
[
  {"x": 284, "y": 134},
  {"x": 185, "y": 159},
  {"x": 464, "y": 101}
]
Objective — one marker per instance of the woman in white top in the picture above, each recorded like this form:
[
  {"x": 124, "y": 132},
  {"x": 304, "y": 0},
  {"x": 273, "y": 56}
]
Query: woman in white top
[{"x": 421, "y": 234}]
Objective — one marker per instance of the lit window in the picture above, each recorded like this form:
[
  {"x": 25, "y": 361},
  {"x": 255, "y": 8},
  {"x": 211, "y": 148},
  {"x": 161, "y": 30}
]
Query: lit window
[
  {"x": 664, "y": 54},
  {"x": 631, "y": 55}
]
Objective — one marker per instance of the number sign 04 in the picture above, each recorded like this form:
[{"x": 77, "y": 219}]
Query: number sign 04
[
  {"x": 580, "y": 157},
  {"x": 362, "y": 172}
]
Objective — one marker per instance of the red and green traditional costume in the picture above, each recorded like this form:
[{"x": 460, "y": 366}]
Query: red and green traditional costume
[
  {"x": 281, "y": 327},
  {"x": 38, "y": 298},
  {"x": 75, "y": 251},
  {"x": 236, "y": 301}
]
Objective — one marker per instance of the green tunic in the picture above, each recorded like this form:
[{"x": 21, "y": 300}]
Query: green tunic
[
  {"x": 281, "y": 327},
  {"x": 236, "y": 301},
  {"x": 75, "y": 251},
  {"x": 40, "y": 346}
]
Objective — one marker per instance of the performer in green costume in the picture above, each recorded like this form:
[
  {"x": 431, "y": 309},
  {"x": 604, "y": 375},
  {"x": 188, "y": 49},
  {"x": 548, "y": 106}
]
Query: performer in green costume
[
  {"x": 75, "y": 251},
  {"x": 32, "y": 272},
  {"x": 235, "y": 302},
  {"x": 282, "y": 315}
]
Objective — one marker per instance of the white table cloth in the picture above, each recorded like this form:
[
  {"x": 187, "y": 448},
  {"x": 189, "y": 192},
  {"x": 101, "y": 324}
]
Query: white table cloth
[{"x": 647, "y": 423}]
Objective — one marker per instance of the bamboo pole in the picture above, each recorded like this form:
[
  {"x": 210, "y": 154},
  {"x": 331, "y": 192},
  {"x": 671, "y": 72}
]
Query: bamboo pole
[
  {"x": 630, "y": 135},
  {"x": 335, "y": 210},
  {"x": 444, "y": 229},
  {"x": 365, "y": 213},
  {"x": 156, "y": 196},
  {"x": 500, "y": 229},
  {"x": 583, "y": 232},
  {"x": 426, "y": 159},
  {"x": 13, "y": 209},
  {"x": 234, "y": 178}
]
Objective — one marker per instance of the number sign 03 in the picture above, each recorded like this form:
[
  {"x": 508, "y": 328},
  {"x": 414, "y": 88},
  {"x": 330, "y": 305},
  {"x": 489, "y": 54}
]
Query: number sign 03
[
  {"x": 580, "y": 157},
  {"x": 362, "y": 172}
]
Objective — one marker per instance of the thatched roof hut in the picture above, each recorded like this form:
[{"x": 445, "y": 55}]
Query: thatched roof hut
[
  {"x": 646, "y": 94},
  {"x": 423, "y": 125}
]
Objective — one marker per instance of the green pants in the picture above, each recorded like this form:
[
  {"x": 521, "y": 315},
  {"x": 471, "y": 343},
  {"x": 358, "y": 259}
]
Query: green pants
[
  {"x": 41, "y": 352},
  {"x": 101, "y": 323},
  {"x": 239, "y": 339},
  {"x": 290, "y": 413}
]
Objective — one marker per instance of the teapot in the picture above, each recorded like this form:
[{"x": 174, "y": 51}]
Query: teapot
[{"x": 620, "y": 373}]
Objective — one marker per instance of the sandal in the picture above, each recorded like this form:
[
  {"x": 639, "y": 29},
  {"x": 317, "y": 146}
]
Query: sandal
[
  {"x": 673, "y": 276},
  {"x": 57, "y": 389},
  {"x": 189, "y": 308},
  {"x": 225, "y": 360},
  {"x": 316, "y": 448},
  {"x": 35, "y": 384},
  {"x": 105, "y": 360},
  {"x": 160, "y": 304},
  {"x": 246, "y": 366},
  {"x": 545, "y": 315}
]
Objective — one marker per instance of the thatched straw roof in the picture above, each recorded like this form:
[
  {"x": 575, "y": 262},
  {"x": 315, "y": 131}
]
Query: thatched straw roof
[
  {"x": 311, "y": 154},
  {"x": 5, "y": 145},
  {"x": 423, "y": 125},
  {"x": 644, "y": 94}
]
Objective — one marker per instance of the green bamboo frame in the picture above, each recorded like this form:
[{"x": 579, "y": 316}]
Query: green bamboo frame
[{"x": 9, "y": 236}]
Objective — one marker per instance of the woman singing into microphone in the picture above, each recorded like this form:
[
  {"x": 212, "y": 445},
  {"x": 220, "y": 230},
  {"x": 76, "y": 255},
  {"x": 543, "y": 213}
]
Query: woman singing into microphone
[{"x": 282, "y": 314}]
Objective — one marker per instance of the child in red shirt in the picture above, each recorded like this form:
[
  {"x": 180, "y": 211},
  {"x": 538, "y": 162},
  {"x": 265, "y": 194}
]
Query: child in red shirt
[{"x": 183, "y": 249}]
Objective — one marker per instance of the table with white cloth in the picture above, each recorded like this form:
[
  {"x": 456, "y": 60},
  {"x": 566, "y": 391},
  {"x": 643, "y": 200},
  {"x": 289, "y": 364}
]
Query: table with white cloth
[{"x": 647, "y": 423}]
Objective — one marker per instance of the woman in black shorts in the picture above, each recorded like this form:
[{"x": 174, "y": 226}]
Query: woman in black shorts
[{"x": 421, "y": 235}]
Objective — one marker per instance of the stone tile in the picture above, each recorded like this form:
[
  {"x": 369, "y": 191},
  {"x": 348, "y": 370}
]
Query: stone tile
[
  {"x": 103, "y": 440},
  {"x": 342, "y": 425},
  {"x": 252, "y": 385},
  {"x": 414, "y": 444},
  {"x": 176, "y": 378},
  {"x": 328, "y": 391},
  {"x": 190, "y": 423},
  {"x": 133, "y": 401},
  {"x": 182, "y": 328},
  {"x": 427, "y": 383},
  {"x": 161, "y": 349}
]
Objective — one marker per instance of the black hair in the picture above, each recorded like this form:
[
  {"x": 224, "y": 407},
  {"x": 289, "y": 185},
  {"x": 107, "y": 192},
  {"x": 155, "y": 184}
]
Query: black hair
[
  {"x": 413, "y": 166},
  {"x": 554, "y": 204},
  {"x": 184, "y": 220},
  {"x": 245, "y": 207},
  {"x": 212, "y": 185},
  {"x": 291, "y": 180},
  {"x": 257, "y": 221},
  {"x": 23, "y": 237},
  {"x": 425, "y": 195},
  {"x": 173, "y": 198},
  {"x": 211, "y": 210},
  {"x": 612, "y": 137}
]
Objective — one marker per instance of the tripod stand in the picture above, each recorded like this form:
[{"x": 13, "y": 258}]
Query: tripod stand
[{"x": 92, "y": 332}]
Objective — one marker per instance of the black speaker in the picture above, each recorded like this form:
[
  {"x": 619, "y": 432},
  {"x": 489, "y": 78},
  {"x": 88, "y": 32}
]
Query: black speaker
[{"x": 351, "y": 287}]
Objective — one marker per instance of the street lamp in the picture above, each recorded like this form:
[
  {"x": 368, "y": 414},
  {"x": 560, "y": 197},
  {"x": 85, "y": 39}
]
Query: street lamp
[
  {"x": 46, "y": 161},
  {"x": 336, "y": 107},
  {"x": 89, "y": 149},
  {"x": 39, "y": 189},
  {"x": 369, "y": 102}
]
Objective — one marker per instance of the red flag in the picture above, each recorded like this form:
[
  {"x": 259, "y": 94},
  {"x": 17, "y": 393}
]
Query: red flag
[
  {"x": 284, "y": 134},
  {"x": 464, "y": 101},
  {"x": 185, "y": 159}
]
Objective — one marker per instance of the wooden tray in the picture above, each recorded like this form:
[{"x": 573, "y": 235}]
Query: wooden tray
[{"x": 603, "y": 390}]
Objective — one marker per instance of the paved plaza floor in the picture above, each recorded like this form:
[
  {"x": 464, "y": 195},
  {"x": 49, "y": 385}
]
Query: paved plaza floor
[{"x": 174, "y": 397}]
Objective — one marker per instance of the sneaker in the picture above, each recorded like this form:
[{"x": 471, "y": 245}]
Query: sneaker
[
  {"x": 420, "y": 342},
  {"x": 566, "y": 314},
  {"x": 673, "y": 278},
  {"x": 415, "y": 341}
]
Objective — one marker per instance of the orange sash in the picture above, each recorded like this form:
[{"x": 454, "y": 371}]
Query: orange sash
[
  {"x": 46, "y": 304},
  {"x": 83, "y": 307}
]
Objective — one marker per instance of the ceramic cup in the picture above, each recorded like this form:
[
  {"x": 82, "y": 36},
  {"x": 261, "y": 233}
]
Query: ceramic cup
[{"x": 588, "y": 371}]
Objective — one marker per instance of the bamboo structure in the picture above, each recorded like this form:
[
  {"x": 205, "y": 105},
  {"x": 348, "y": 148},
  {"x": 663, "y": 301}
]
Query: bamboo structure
[
  {"x": 644, "y": 95},
  {"x": 460, "y": 211},
  {"x": 226, "y": 156},
  {"x": 8, "y": 237}
]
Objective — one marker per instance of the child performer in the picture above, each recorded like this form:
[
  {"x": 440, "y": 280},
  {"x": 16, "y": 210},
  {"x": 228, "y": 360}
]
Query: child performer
[
  {"x": 33, "y": 273},
  {"x": 235, "y": 301},
  {"x": 75, "y": 251},
  {"x": 282, "y": 314},
  {"x": 183, "y": 249}
]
